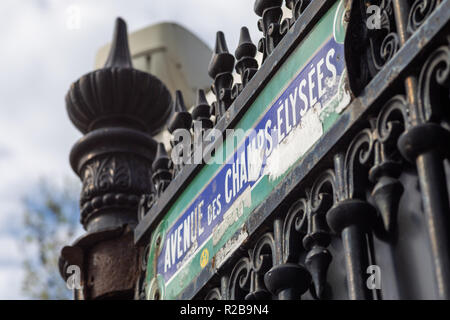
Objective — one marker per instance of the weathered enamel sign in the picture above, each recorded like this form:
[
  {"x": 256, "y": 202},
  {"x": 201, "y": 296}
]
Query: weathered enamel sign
[{"x": 297, "y": 106}]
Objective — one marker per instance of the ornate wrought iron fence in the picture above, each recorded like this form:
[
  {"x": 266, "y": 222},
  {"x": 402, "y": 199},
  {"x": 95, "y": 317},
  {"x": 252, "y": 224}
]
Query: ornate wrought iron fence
[{"x": 373, "y": 191}]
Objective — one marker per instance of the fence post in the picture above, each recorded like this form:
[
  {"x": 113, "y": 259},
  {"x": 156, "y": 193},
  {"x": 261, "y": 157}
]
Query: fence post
[{"x": 117, "y": 108}]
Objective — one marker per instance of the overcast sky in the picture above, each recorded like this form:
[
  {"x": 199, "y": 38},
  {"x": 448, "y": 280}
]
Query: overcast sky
[{"x": 41, "y": 55}]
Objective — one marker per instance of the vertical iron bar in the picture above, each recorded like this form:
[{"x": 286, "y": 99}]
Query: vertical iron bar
[
  {"x": 431, "y": 175},
  {"x": 435, "y": 204},
  {"x": 356, "y": 262},
  {"x": 352, "y": 219}
]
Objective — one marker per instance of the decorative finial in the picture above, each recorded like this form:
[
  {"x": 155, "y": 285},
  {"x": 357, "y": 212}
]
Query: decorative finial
[
  {"x": 115, "y": 101},
  {"x": 221, "y": 61},
  {"x": 118, "y": 95},
  {"x": 297, "y": 7},
  {"x": 221, "y": 44},
  {"x": 118, "y": 108},
  {"x": 119, "y": 54},
  {"x": 270, "y": 24},
  {"x": 245, "y": 46},
  {"x": 182, "y": 119},
  {"x": 221, "y": 69},
  {"x": 202, "y": 111},
  {"x": 246, "y": 65},
  {"x": 317, "y": 261}
]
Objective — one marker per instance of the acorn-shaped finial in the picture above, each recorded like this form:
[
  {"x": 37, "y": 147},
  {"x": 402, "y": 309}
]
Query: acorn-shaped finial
[
  {"x": 245, "y": 48},
  {"x": 246, "y": 65},
  {"x": 202, "y": 110},
  {"x": 221, "y": 61},
  {"x": 221, "y": 69}
]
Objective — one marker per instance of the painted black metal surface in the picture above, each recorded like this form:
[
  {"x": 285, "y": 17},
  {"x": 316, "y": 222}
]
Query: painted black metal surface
[
  {"x": 118, "y": 108},
  {"x": 362, "y": 173},
  {"x": 372, "y": 192},
  {"x": 273, "y": 62}
]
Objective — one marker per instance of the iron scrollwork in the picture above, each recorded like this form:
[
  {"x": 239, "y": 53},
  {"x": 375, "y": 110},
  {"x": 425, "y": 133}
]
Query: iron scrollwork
[
  {"x": 425, "y": 144},
  {"x": 305, "y": 224},
  {"x": 352, "y": 217},
  {"x": 247, "y": 277},
  {"x": 337, "y": 199},
  {"x": 288, "y": 279},
  {"x": 367, "y": 50},
  {"x": 214, "y": 294},
  {"x": 420, "y": 11}
]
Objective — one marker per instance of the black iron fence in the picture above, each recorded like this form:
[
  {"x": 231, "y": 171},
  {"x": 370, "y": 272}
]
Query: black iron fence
[{"x": 364, "y": 215}]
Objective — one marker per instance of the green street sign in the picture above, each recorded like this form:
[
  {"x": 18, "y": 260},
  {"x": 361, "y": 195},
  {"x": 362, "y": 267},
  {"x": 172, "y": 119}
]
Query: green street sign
[{"x": 298, "y": 105}]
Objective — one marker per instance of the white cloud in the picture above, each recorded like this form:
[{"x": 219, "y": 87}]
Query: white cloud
[
  {"x": 10, "y": 251},
  {"x": 10, "y": 282},
  {"x": 11, "y": 272}
]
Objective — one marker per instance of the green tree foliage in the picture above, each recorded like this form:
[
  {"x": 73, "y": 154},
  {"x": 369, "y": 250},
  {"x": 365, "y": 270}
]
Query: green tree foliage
[{"x": 50, "y": 222}]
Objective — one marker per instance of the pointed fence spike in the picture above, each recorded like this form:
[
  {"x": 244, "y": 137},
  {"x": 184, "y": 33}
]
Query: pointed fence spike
[
  {"x": 180, "y": 106},
  {"x": 221, "y": 43},
  {"x": 181, "y": 119},
  {"x": 244, "y": 36},
  {"x": 245, "y": 46},
  {"x": 201, "y": 98},
  {"x": 161, "y": 158},
  {"x": 119, "y": 54}
]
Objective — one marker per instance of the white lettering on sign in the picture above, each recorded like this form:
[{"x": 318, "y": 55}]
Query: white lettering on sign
[{"x": 186, "y": 234}]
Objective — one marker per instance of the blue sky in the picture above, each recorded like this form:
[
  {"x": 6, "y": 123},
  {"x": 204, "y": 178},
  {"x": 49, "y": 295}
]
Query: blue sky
[{"x": 41, "y": 56}]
